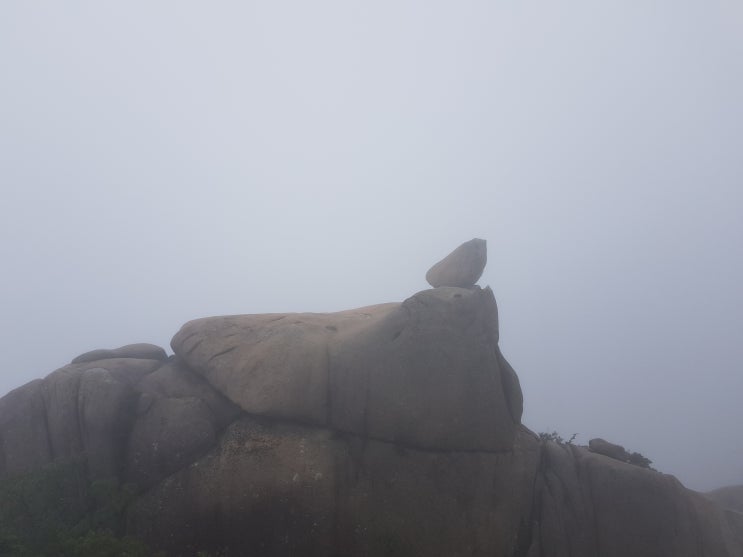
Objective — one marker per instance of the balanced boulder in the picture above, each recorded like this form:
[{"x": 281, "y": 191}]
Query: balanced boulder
[{"x": 462, "y": 267}]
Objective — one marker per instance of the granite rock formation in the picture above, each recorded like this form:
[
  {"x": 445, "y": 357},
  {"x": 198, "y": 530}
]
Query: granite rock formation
[
  {"x": 387, "y": 430},
  {"x": 425, "y": 373},
  {"x": 601, "y": 446}
]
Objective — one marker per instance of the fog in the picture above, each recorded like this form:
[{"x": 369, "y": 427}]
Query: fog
[{"x": 163, "y": 161}]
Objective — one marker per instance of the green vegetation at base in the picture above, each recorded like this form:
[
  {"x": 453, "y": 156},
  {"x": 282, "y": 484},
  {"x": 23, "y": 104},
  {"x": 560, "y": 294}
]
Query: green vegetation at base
[{"x": 56, "y": 512}]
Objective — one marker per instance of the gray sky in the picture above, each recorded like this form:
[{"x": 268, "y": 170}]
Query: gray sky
[{"x": 162, "y": 161}]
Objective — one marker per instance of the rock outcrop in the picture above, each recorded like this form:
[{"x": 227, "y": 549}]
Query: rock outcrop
[
  {"x": 589, "y": 504},
  {"x": 730, "y": 497},
  {"x": 387, "y": 430},
  {"x": 426, "y": 373},
  {"x": 601, "y": 446}
]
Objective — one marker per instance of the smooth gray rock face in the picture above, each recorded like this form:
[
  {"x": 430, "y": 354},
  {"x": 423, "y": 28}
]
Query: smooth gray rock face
[
  {"x": 24, "y": 442},
  {"x": 178, "y": 418},
  {"x": 168, "y": 434},
  {"x": 141, "y": 350},
  {"x": 588, "y": 505},
  {"x": 427, "y": 375},
  {"x": 462, "y": 267},
  {"x": 730, "y": 497},
  {"x": 104, "y": 406}
]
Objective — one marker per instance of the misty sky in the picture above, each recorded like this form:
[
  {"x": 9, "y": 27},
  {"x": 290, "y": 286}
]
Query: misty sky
[{"x": 163, "y": 161}]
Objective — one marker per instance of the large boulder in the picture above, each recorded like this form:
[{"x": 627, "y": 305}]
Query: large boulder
[
  {"x": 178, "y": 418},
  {"x": 168, "y": 434},
  {"x": 131, "y": 419},
  {"x": 612, "y": 450},
  {"x": 462, "y": 267},
  {"x": 24, "y": 436},
  {"x": 592, "y": 505},
  {"x": 105, "y": 406},
  {"x": 283, "y": 489},
  {"x": 174, "y": 380},
  {"x": 425, "y": 373},
  {"x": 80, "y": 408}
]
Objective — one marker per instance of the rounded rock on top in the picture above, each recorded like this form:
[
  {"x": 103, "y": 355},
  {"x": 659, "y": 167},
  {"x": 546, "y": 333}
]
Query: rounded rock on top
[{"x": 462, "y": 267}]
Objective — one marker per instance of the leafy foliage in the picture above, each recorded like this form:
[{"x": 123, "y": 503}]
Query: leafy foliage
[
  {"x": 557, "y": 438},
  {"x": 639, "y": 460},
  {"x": 55, "y": 511}
]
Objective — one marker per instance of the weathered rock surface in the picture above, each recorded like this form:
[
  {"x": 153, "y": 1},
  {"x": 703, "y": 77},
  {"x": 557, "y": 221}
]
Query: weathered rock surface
[
  {"x": 289, "y": 489},
  {"x": 388, "y": 430},
  {"x": 424, "y": 373},
  {"x": 462, "y": 267},
  {"x": 107, "y": 410}
]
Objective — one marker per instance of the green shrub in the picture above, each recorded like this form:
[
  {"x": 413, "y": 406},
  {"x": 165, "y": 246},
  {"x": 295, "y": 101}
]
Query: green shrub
[
  {"x": 554, "y": 436},
  {"x": 639, "y": 460},
  {"x": 56, "y": 512}
]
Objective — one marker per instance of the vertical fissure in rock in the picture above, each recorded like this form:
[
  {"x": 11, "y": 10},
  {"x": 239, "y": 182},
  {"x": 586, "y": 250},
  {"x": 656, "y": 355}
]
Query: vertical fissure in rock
[
  {"x": 76, "y": 409},
  {"x": 124, "y": 433},
  {"x": 529, "y": 532},
  {"x": 584, "y": 479},
  {"x": 367, "y": 400},
  {"x": 3, "y": 461},
  {"x": 49, "y": 444},
  {"x": 328, "y": 387}
]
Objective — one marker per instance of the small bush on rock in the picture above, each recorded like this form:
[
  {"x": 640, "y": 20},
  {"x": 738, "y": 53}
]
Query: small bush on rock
[
  {"x": 639, "y": 460},
  {"x": 557, "y": 438}
]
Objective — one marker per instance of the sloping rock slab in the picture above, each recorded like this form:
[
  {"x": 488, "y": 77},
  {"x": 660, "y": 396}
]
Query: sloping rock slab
[{"x": 425, "y": 373}]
